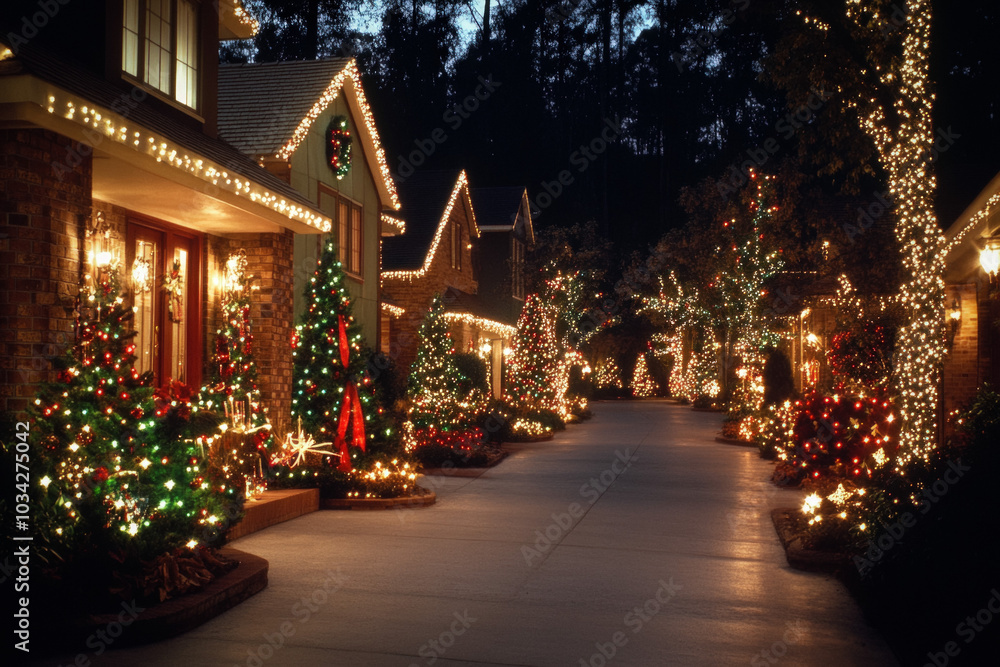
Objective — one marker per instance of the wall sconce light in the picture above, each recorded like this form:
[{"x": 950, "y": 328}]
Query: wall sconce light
[
  {"x": 989, "y": 258},
  {"x": 954, "y": 319},
  {"x": 100, "y": 240}
]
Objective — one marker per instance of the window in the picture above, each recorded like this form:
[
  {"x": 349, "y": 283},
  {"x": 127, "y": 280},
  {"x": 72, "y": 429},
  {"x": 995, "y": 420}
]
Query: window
[
  {"x": 163, "y": 284},
  {"x": 348, "y": 221},
  {"x": 517, "y": 268},
  {"x": 456, "y": 246},
  {"x": 160, "y": 46}
]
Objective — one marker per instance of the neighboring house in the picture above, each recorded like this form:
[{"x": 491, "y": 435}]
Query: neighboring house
[
  {"x": 282, "y": 115},
  {"x": 506, "y": 234},
  {"x": 109, "y": 127},
  {"x": 435, "y": 256},
  {"x": 972, "y": 301}
]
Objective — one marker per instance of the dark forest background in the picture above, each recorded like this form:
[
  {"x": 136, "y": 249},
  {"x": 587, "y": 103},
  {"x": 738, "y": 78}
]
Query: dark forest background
[{"x": 691, "y": 85}]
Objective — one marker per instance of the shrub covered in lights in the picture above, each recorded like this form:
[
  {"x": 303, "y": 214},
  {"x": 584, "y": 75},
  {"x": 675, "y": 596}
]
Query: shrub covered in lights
[
  {"x": 840, "y": 437},
  {"x": 440, "y": 413},
  {"x": 120, "y": 470}
]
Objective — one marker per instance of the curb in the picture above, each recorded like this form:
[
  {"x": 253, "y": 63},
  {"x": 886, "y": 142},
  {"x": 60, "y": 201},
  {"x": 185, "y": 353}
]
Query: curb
[
  {"x": 425, "y": 499},
  {"x": 798, "y": 557},
  {"x": 734, "y": 441},
  {"x": 176, "y": 616}
]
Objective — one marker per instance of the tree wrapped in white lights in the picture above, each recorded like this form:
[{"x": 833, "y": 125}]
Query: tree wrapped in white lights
[{"x": 903, "y": 134}]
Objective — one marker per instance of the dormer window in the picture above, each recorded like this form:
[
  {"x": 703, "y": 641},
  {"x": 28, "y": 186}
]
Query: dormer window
[{"x": 160, "y": 46}]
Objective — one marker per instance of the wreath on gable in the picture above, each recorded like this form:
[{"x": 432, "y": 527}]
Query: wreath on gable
[{"x": 338, "y": 146}]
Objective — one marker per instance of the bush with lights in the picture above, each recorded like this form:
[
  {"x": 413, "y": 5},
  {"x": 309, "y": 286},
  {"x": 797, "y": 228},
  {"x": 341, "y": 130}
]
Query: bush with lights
[
  {"x": 444, "y": 404},
  {"x": 123, "y": 479}
]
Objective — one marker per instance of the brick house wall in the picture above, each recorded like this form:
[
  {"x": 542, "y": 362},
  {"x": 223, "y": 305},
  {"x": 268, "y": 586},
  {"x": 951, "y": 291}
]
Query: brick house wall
[
  {"x": 269, "y": 258},
  {"x": 43, "y": 220},
  {"x": 961, "y": 372},
  {"x": 415, "y": 295}
]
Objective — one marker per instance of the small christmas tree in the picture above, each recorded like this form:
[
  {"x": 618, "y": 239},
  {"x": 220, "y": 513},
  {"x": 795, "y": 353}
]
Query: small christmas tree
[
  {"x": 329, "y": 364},
  {"x": 439, "y": 413},
  {"x": 643, "y": 384},
  {"x": 535, "y": 360},
  {"x": 243, "y": 450},
  {"x": 609, "y": 375},
  {"x": 121, "y": 473}
]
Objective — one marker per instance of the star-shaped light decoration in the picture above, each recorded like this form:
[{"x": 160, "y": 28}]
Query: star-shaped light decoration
[{"x": 300, "y": 444}]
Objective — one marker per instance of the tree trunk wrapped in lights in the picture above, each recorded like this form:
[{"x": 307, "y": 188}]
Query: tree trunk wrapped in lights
[{"x": 903, "y": 134}]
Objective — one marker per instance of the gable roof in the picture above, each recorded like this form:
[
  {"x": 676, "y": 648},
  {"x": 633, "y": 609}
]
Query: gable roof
[
  {"x": 502, "y": 209},
  {"x": 428, "y": 198},
  {"x": 267, "y": 109}
]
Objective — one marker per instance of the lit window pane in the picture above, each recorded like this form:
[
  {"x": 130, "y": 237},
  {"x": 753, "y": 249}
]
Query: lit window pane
[
  {"x": 187, "y": 54},
  {"x": 130, "y": 38}
]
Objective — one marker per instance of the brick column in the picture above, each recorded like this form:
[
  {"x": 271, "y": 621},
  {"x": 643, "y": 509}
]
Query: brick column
[{"x": 42, "y": 218}]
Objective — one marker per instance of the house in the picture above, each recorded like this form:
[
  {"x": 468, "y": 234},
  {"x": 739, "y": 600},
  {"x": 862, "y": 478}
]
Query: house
[
  {"x": 109, "y": 123},
  {"x": 972, "y": 304},
  {"x": 435, "y": 256},
  {"x": 506, "y": 233},
  {"x": 290, "y": 117}
]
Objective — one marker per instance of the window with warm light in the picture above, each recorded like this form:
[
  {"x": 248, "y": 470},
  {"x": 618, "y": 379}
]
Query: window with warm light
[
  {"x": 456, "y": 246},
  {"x": 348, "y": 226},
  {"x": 160, "y": 46}
]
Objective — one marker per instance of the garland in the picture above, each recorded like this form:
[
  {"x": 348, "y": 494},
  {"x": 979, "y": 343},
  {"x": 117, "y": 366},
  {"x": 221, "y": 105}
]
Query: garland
[{"x": 338, "y": 146}]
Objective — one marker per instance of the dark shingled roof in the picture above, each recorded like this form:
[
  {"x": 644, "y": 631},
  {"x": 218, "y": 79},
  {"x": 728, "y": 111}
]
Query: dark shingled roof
[
  {"x": 261, "y": 104},
  {"x": 424, "y": 196},
  {"x": 496, "y": 206},
  {"x": 99, "y": 91}
]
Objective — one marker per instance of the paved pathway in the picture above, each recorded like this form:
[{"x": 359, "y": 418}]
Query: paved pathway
[{"x": 632, "y": 539}]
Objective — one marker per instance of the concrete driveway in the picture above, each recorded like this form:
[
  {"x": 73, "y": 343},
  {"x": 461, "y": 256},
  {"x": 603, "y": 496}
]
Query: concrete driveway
[{"x": 632, "y": 539}]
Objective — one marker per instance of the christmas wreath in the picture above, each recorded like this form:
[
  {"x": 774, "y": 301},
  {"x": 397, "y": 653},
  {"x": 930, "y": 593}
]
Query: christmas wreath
[{"x": 338, "y": 146}]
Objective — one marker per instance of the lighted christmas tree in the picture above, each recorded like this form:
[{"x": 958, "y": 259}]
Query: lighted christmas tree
[
  {"x": 535, "y": 360},
  {"x": 121, "y": 472},
  {"x": 608, "y": 375},
  {"x": 643, "y": 384},
  {"x": 329, "y": 365},
  {"x": 244, "y": 448},
  {"x": 439, "y": 414}
]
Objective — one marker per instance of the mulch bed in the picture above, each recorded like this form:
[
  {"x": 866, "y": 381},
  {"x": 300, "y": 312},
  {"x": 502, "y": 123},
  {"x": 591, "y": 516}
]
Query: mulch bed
[{"x": 800, "y": 557}]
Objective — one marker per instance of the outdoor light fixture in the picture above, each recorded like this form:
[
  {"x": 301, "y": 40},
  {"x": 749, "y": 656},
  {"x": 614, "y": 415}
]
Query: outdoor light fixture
[
  {"x": 142, "y": 269},
  {"x": 100, "y": 235},
  {"x": 954, "y": 320},
  {"x": 989, "y": 258}
]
